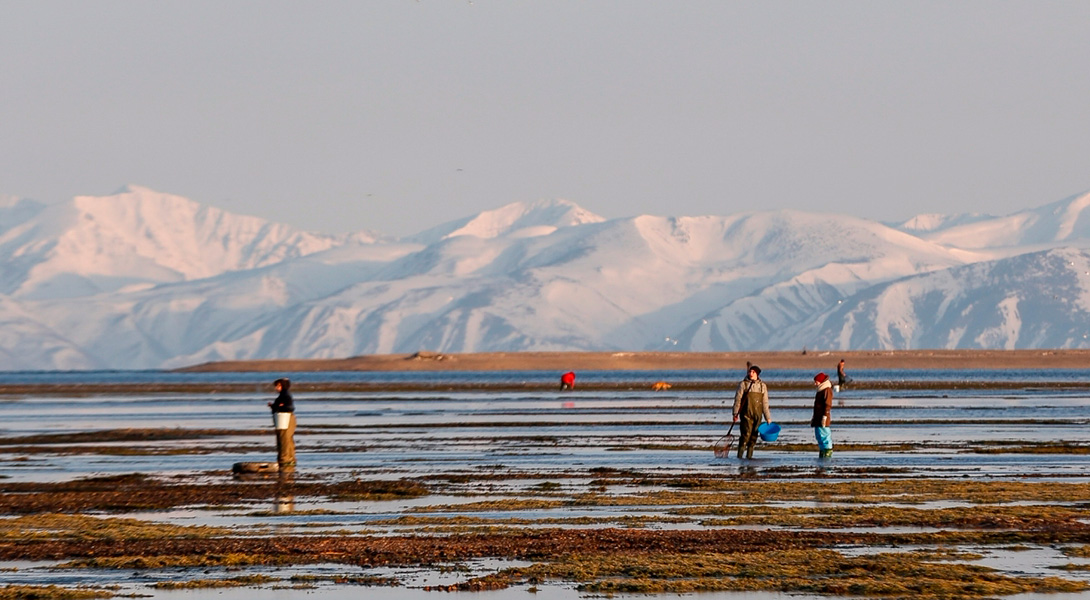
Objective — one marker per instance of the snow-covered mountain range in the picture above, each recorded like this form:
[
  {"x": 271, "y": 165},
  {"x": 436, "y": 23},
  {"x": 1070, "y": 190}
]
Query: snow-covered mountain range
[{"x": 142, "y": 279}]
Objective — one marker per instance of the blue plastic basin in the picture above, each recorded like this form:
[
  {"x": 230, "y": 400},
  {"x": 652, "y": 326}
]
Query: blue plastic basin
[{"x": 768, "y": 431}]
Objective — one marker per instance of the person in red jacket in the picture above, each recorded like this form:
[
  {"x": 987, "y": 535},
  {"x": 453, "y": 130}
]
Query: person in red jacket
[{"x": 567, "y": 381}]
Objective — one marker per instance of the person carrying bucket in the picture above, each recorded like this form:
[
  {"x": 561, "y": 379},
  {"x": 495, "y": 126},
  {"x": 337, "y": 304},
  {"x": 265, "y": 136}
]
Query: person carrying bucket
[
  {"x": 823, "y": 408},
  {"x": 750, "y": 404},
  {"x": 842, "y": 378},
  {"x": 283, "y": 410}
]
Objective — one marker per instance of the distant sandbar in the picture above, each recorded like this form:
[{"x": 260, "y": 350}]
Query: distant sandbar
[{"x": 646, "y": 361}]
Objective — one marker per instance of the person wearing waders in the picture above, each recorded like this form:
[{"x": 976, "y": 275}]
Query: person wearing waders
[
  {"x": 285, "y": 425},
  {"x": 842, "y": 378},
  {"x": 823, "y": 408},
  {"x": 750, "y": 404}
]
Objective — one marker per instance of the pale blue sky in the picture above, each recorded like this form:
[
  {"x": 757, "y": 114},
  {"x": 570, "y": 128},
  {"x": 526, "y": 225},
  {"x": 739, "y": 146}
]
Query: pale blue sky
[{"x": 396, "y": 115}]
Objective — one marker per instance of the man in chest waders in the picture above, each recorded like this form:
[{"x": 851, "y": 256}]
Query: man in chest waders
[
  {"x": 284, "y": 406},
  {"x": 750, "y": 404}
]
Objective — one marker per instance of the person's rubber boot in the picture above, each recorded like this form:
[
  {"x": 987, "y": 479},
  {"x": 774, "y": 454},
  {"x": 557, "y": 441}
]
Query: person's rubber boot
[
  {"x": 749, "y": 453},
  {"x": 826, "y": 454}
]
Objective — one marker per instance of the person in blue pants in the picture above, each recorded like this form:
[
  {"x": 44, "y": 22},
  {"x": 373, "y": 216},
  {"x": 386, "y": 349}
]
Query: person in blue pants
[{"x": 823, "y": 408}]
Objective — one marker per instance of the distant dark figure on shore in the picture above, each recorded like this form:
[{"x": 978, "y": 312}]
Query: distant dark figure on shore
[
  {"x": 283, "y": 410},
  {"x": 567, "y": 381},
  {"x": 842, "y": 378},
  {"x": 750, "y": 404},
  {"x": 823, "y": 409}
]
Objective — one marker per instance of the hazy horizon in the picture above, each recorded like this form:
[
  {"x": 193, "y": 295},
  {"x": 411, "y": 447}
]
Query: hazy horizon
[{"x": 397, "y": 116}]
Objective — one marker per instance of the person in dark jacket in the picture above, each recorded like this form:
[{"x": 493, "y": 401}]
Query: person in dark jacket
[
  {"x": 750, "y": 404},
  {"x": 283, "y": 402},
  {"x": 284, "y": 405},
  {"x": 823, "y": 408}
]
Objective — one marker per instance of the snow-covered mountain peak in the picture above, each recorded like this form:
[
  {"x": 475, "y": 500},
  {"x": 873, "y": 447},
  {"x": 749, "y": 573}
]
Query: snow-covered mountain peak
[
  {"x": 767, "y": 244},
  {"x": 1071, "y": 216},
  {"x": 98, "y": 243},
  {"x": 518, "y": 219},
  {"x": 1057, "y": 223},
  {"x": 808, "y": 236},
  {"x": 140, "y": 190},
  {"x": 143, "y": 279},
  {"x": 135, "y": 207},
  {"x": 1031, "y": 300}
]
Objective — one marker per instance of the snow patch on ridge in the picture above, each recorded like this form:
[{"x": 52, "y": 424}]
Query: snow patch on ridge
[
  {"x": 521, "y": 219},
  {"x": 934, "y": 222}
]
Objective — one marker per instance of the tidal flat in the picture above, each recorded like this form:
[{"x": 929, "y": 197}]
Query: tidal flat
[{"x": 936, "y": 491}]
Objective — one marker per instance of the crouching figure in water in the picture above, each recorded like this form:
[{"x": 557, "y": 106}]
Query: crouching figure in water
[
  {"x": 567, "y": 381},
  {"x": 750, "y": 404},
  {"x": 823, "y": 408}
]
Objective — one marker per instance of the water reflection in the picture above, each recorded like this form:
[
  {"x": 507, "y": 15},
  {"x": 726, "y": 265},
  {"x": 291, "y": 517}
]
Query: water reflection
[
  {"x": 285, "y": 500},
  {"x": 535, "y": 438}
]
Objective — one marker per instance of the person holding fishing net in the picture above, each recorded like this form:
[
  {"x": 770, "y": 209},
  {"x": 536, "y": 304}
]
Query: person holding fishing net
[{"x": 750, "y": 404}]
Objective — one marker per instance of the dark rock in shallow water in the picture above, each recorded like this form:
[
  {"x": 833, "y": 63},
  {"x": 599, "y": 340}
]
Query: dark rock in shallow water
[{"x": 255, "y": 468}]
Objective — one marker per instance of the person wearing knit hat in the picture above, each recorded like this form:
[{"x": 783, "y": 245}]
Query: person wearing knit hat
[
  {"x": 750, "y": 404},
  {"x": 284, "y": 408},
  {"x": 823, "y": 408}
]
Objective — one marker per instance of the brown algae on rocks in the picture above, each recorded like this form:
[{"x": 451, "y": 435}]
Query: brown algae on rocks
[
  {"x": 827, "y": 572},
  {"x": 604, "y": 559},
  {"x": 52, "y": 592}
]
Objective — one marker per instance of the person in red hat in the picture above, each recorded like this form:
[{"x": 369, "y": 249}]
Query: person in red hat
[{"x": 823, "y": 408}]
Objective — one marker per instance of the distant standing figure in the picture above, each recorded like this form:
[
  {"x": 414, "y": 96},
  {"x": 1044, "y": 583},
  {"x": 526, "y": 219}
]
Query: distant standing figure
[
  {"x": 567, "y": 381},
  {"x": 842, "y": 378},
  {"x": 823, "y": 408},
  {"x": 283, "y": 409},
  {"x": 750, "y": 404}
]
